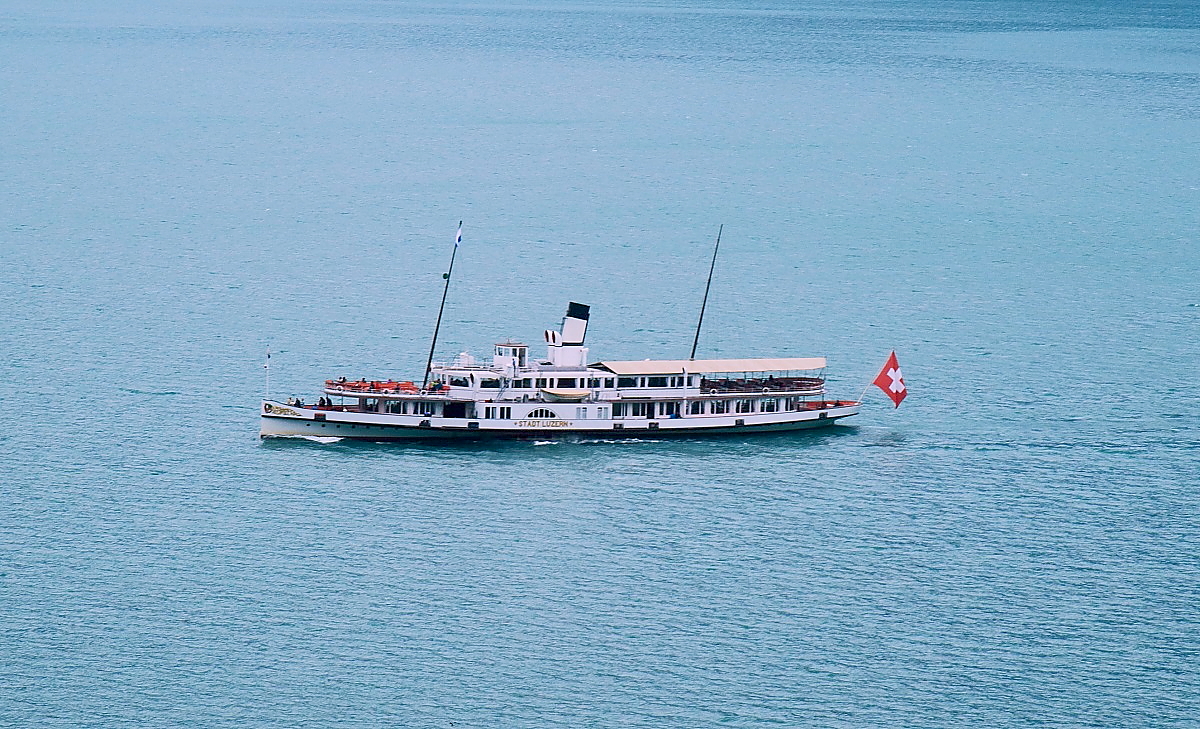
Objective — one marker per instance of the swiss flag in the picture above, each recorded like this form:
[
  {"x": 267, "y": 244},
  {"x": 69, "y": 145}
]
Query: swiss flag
[{"x": 891, "y": 380}]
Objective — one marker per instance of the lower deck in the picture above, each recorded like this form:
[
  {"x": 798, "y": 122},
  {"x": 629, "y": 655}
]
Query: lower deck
[
  {"x": 280, "y": 419},
  {"x": 698, "y": 406}
]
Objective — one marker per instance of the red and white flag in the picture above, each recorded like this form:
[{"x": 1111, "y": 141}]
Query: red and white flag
[{"x": 891, "y": 380}]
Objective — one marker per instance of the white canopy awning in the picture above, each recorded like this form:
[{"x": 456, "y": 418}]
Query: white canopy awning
[{"x": 711, "y": 366}]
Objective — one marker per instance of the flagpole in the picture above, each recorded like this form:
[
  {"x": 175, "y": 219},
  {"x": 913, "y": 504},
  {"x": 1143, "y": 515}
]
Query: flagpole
[
  {"x": 267, "y": 367},
  {"x": 864, "y": 392},
  {"x": 868, "y": 385},
  {"x": 445, "y": 290},
  {"x": 707, "y": 286}
]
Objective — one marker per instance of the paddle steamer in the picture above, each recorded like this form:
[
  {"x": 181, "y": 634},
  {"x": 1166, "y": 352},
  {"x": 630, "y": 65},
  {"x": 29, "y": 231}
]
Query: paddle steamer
[{"x": 517, "y": 396}]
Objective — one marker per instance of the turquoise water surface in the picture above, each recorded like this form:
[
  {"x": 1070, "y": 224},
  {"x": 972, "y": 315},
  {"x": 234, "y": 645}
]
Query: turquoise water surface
[{"x": 1006, "y": 193}]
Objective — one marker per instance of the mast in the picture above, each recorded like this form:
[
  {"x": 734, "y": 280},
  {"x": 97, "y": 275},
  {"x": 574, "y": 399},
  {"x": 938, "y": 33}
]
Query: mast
[
  {"x": 707, "y": 286},
  {"x": 445, "y": 290}
]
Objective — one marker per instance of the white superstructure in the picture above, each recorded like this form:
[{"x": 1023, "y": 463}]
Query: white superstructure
[{"x": 517, "y": 396}]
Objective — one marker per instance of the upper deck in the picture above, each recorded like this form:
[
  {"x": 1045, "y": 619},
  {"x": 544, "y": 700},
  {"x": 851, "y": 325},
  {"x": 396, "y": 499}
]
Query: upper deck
[
  {"x": 564, "y": 375},
  {"x": 482, "y": 384}
]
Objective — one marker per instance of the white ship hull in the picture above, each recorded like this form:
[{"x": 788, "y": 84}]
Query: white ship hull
[
  {"x": 516, "y": 396},
  {"x": 281, "y": 420}
]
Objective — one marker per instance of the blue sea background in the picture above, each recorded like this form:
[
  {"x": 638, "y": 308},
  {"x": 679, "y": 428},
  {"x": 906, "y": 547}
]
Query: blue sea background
[{"x": 1005, "y": 192}]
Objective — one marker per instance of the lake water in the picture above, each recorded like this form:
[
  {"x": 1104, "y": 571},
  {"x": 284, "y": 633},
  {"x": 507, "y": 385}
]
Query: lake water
[{"x": 1006, "y": 193}]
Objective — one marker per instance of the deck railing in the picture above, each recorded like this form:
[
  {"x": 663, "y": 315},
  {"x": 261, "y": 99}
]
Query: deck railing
[
  {"x": 768, "y": 385},
  {"x": 755, "y": 386},
  {"x": 357, "y": 388}
]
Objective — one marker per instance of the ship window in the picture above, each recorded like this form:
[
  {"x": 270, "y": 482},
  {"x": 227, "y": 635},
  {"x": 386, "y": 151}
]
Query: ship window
[
  {"x": 581, "y": 413},
  {"x": 770, "y": 405},
  {"x": 608, "y": 382},
  {"x": 696, "y": 408},
  {"x": 490, "y": 384},
  {"x": 489, "y": 413},
  {"x": 745, "y": 406},
  {"x": 541, "y": 382},
  {"x": 641, "y": 409},
  {"x": 626, "y": 382},
  {"x": 656, "y": 382},
  {"x": 602, "y": 413},
  {"x": 719, "y": 407},
  {"x": 543, "y": 413},
  {"x": 459, "y": 382},
  {"x": 618, "y": 409},
  {"x": 668, "y": 409},
  {"x": 505, "y": 413},
  {"x": 566, "y": 382},
  {"x": 593, "y": 382}
]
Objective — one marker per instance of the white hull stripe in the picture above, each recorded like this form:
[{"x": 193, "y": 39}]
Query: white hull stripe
[{"x": 285, "y": 425}]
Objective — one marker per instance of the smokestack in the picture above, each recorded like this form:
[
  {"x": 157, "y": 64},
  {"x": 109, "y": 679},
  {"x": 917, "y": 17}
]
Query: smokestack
[{"x": 575, "y": 324}]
